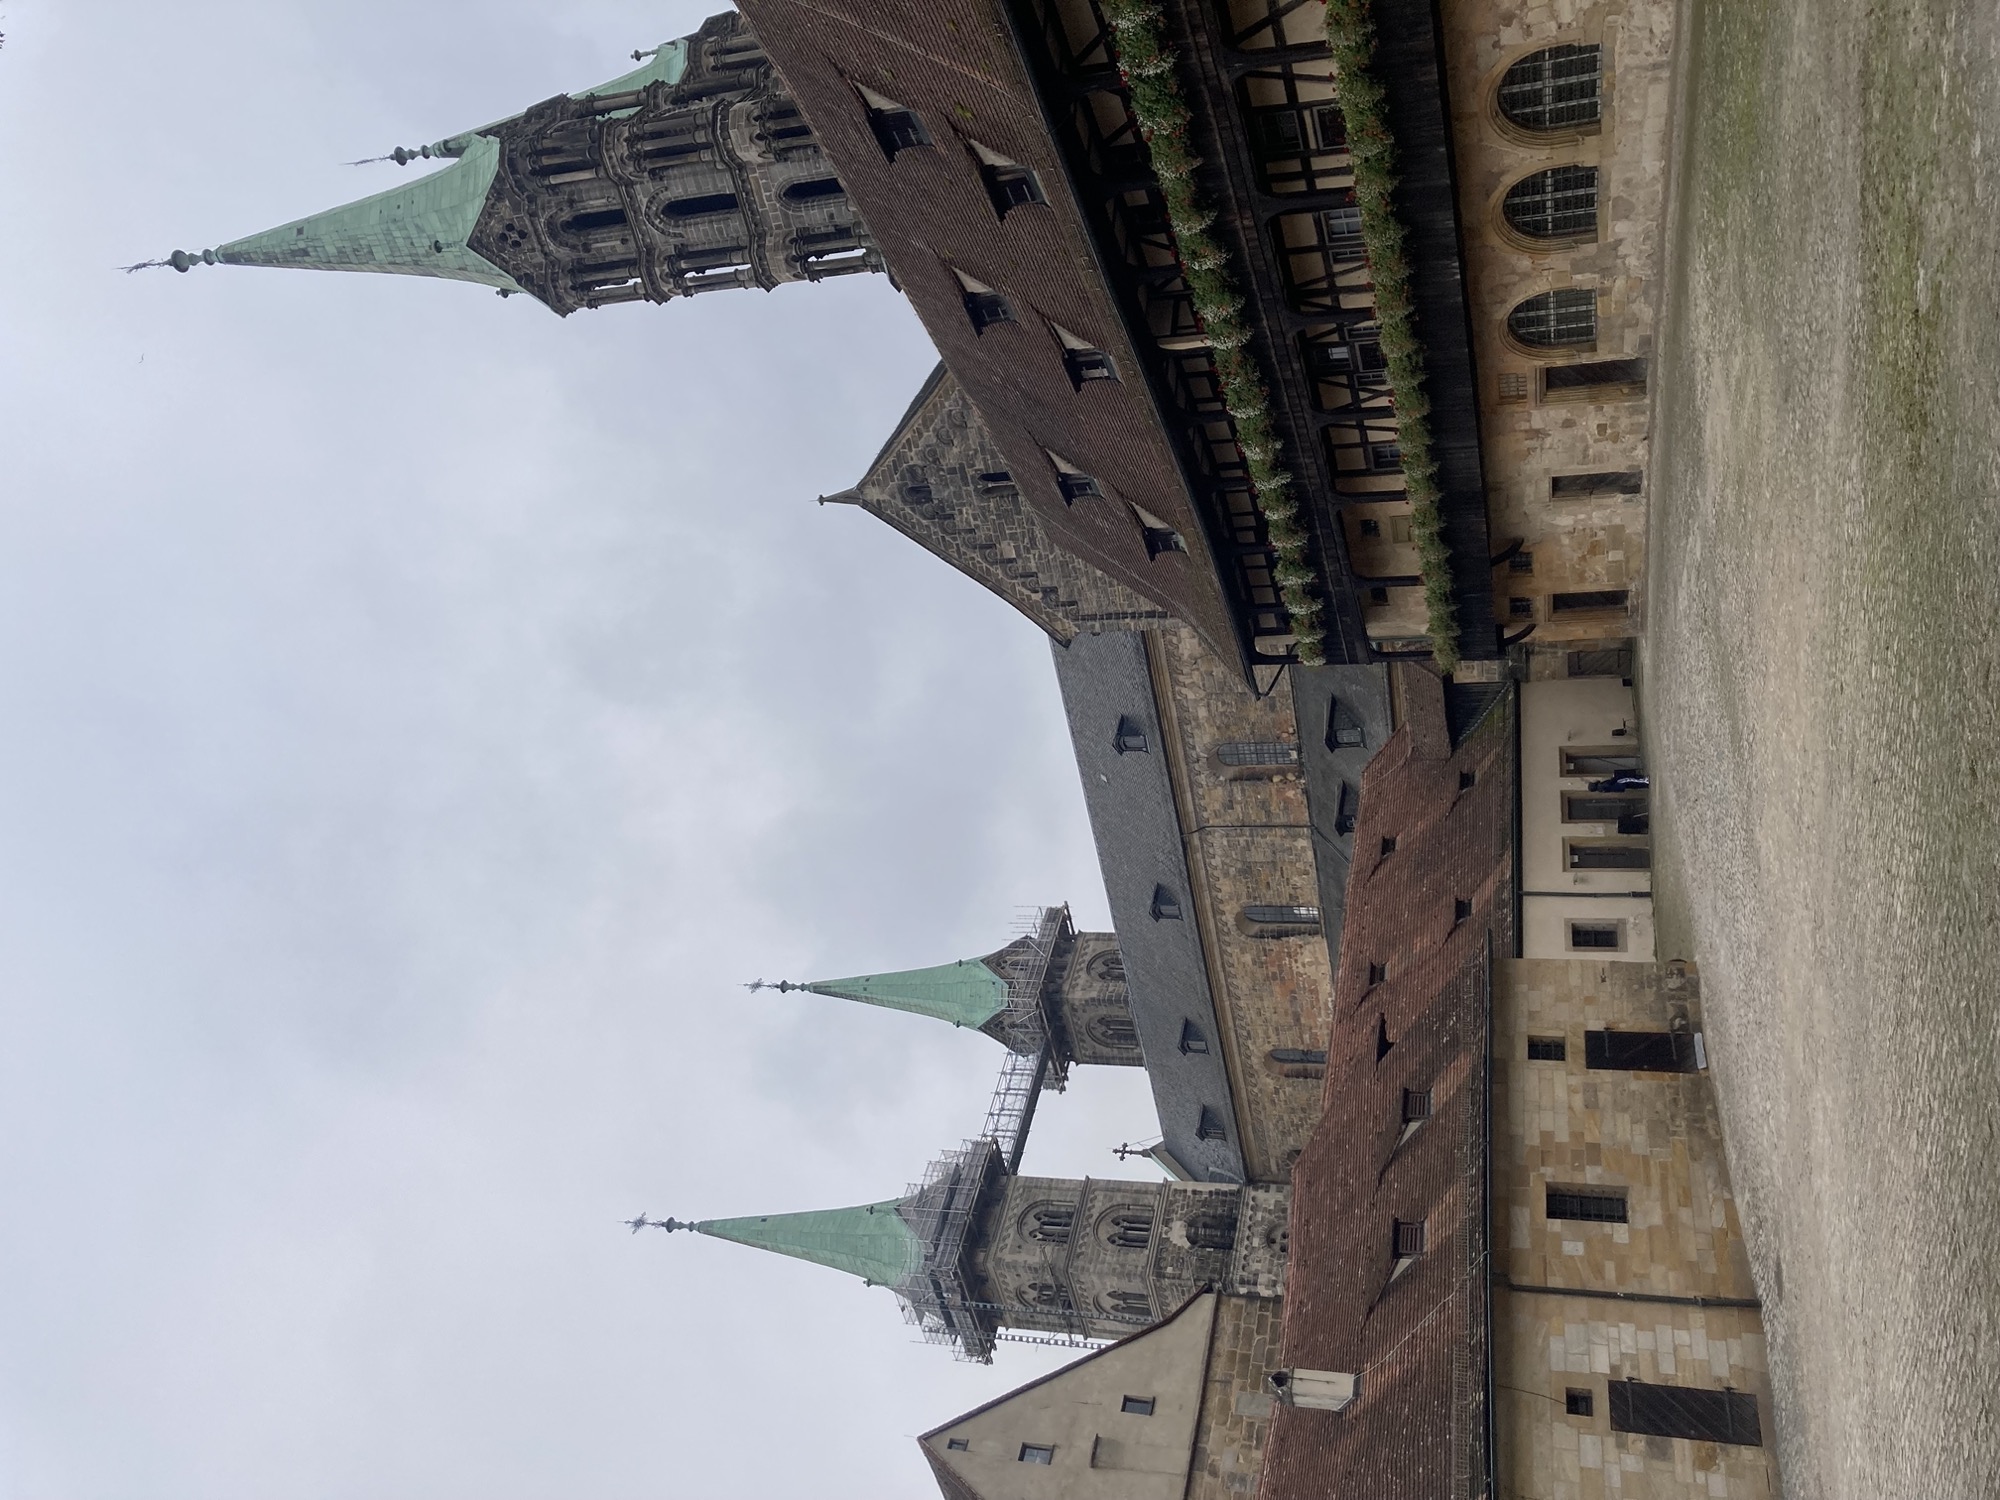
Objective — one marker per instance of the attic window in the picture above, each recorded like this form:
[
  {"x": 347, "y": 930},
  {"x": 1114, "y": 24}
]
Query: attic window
[
  {"x": 1137, "y": 1406},
  {"x": 1343, "y": 727},
  {"x": 1210, "y": 1127},
  {"x": 1160, "y": 537},
  {"x": 1131, "y": 736},
  {"x": 984, "y": 306},
  {"x": 1416, "y": 1105},
  {"x": 1083, "y": 359},
  {"x": 1072, "y": 481},
  {"x": 895, "y": 126},
  {"x": 958, "y": 1445},
  {"x": 1407, "y": 1238},
  {"x": 1166, "y": 905},
  {"x": 1460, "y": 910},
  {"x": 1382, "y": 1043},
  {"x": 1037, "y": 1453},
  {"x": 1377, "y": 973},
  {"x": 1193, "y": 1039},
  {"x": 1009, "y": 184}
]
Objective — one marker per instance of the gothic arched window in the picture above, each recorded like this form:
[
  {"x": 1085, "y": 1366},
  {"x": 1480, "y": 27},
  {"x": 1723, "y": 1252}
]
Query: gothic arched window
[
  {"x": 1553, "y": 89},
  {"x": 1047, "y": 1294},
  {"x": 1051, "y": 1223},
  {"x": 1557, "y": 204},
  {"x": 1212, "y": 1232},
  {"x": 1556, "y": 320},
  {"x": 1128, "y": 1229},
  {"x": 1115, "y": 1032},
  {"x": 700, "y": 206},
  {"x": 1126, "y": 1306},
  {"x": 591, "y": 220},
  {"x": 1107, "y": 967}
]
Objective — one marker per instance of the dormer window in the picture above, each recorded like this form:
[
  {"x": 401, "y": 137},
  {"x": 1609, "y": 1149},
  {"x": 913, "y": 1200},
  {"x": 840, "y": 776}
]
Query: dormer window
[
  {"x": 1194, "y": 1041},
  {"x": 1009, "y": 184},
  {"x": 1083, "y": 360},
  {"x": 1160, "y": 537},
  {"x": 984, "y": 306},
  {"x": 1210, "y": 1126},
  {"x": 895, "y": 126},
  {"x": 1131, "y": 736},
  {"x": 1072, "y": 481},
  {"x": 1407, "y": 1239},
  {"x": 1166, "y": 905}
]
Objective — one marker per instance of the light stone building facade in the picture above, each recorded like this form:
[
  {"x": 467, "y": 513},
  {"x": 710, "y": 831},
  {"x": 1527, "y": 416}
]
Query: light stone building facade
[{"x": 1623, "y": 1298}]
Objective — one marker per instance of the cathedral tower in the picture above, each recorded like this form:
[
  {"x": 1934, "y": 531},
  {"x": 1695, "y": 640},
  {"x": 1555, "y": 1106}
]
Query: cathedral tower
[
  {"x": 693, "y": 173},
  {"x": 976, "y": 1254},
  {"x": 1052, "y": 987}
]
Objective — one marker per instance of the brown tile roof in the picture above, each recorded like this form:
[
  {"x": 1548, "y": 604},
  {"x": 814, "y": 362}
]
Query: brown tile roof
[
  {"x": 1416, "y": 1337},
  {"x": 956, "y": 64}
]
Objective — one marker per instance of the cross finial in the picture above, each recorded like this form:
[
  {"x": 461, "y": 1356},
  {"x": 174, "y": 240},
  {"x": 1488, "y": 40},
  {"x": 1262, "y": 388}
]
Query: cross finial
[{"x": 642, "y": 1222}]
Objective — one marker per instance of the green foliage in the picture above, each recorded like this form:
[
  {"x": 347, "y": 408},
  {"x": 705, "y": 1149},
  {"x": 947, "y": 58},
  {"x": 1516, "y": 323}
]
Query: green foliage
[
  {"x": 1350, "y": 32},
  {"x": 1148, "y": 69}
]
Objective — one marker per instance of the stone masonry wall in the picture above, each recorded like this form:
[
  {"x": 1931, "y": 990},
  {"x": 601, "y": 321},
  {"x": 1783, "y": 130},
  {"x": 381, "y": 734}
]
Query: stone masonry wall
[
  {"x": 1236, "y": 1399},
  {"x": 942, "y": 481},
  {"x": 1671, "y": 1299},
  {"x": 1248, "y": 836}
]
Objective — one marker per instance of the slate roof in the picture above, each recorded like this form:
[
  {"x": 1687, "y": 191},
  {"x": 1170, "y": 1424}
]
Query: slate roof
[
  {"x": 1418, "y": 1338},
  {"x": 1353, "y": 695},
  {"x": 1137, "y": 828}
]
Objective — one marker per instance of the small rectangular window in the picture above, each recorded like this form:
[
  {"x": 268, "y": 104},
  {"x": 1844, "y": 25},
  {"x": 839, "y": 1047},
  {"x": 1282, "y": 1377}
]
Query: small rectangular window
[
  {"x": 1577, "y": 1403},
  {"x": 1521, "y": 607},
  {"x": 1586, "y": 1206},
  {"x": 1461, "y": 909},
  {"x": 1371, "y": 528},
  {"x": 1408, "y": 1238},
  {"x": 1513, "y": 386},
  {"x": 1037, "y": 1453},
  {"x": 958, "y": 1445},
  {"x": 1416, "y": 1105},
  {"x": 1137, "y": 1406},
  {"x": 1377, "y": 973},
  {"x": 1161, "y": 540},
  {"x": 1589, "y": 601},
  {"x": 1596, "y": 762},
  {"x": 1279, "y": 135},
  {"x": 1682, "y": 1412},
  {"x": 1329, "y": 127},
  {"x": 1598, "y": 376},
  {"x": 1586, "y": 486},
  {"x": 1639, "y": 1051},
  {"x": 1521, "y": 562},
  {"x": 1604, "y": 936},
  {"x": 1077, "y": 487},
  {"x": 1385, "y": 455},
  {"x": 1601, "y": 807},
  {"x": 1547, "y": 1049},
  {"x": 1609, "y": 854},
  {"x": 897, "y": 129},
  {"x": 1467, "y": 780}
]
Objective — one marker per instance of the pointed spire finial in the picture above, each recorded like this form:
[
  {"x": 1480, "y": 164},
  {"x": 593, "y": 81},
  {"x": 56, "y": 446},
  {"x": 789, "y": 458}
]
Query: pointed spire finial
[
  {"x": 782, "y": 986},
  {"x": 642, "y": 1222},
  {"x": 180, "y": 260}
]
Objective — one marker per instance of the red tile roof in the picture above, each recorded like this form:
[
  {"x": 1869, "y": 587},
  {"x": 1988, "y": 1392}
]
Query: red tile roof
[{"x": 1417, "y": 1337}]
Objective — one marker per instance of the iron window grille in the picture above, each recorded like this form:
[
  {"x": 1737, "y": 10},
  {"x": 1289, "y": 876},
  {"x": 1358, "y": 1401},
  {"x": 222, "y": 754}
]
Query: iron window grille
[
  {"x": 1521, "y": 606},
  {"x": 1578, "y": 1206},
  {"x": 1258, "y": 753},
  {"x": 1639, "y": 1051},
  {"x": 1582, "y": 807},
  {"x": 1547, "y": 1049},
  {"x": 1678, "y": 1411},
  {"x": 1371, "y": 528},
  {"x": 1555, "y": 89},
  {"x": 1557, "y": 203},
  {"x": 1624, "y": 376},
  {"x": 1521, "y": 562}
]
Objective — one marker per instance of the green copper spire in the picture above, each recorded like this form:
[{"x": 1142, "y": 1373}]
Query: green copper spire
[
  {"x": 966, "y": 993},
  {"x": 416, "y": 228},
  {"x": 871, "y": 1241}
]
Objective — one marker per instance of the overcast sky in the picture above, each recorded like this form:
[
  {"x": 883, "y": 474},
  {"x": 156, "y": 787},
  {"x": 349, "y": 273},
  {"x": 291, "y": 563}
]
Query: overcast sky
[{"x": 422, "y": 714}]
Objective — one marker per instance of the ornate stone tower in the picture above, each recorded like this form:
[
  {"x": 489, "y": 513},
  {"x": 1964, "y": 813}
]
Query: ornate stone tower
[
  {"x": 975, "y": 1252},
  {"x": 693, "y": 173},
  {"x": 1052, "y": 987}
]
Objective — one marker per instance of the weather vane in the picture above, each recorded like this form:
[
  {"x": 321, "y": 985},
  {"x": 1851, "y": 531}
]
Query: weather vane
[
  {"x": 642, "y": 1222},
  {"x": 782, "y": 986}
]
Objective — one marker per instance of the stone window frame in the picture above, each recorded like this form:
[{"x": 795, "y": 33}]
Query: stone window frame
[
  {"x": 1516, "y": 119},
  {"x": 1554, "y": 194}
]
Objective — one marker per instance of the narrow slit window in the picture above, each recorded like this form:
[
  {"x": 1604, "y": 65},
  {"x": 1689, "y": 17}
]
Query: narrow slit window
[
  {"x": 1624, "y": 377},
  {"x": 1603, "y": 482},
  {"x": 1589, "y": 601},
  {"x": 1461, "y": 910}
]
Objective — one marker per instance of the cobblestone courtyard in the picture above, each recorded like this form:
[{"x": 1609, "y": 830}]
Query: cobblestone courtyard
[{"x": 1819, "y": 680}]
